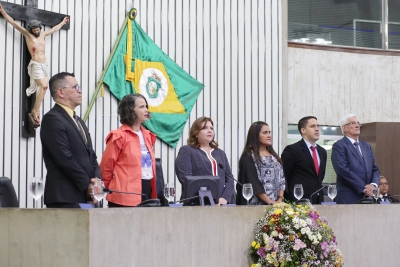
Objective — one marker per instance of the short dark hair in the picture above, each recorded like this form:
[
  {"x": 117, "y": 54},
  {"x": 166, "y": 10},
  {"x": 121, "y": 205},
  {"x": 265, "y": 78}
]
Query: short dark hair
[
  {"x": 196, "y": 127},
  {"x": 126, "y": 109},
  {"x": 303, "y": 122},
  {"x": 252, "y": 145},
  {"x": 58, "y": 81}
]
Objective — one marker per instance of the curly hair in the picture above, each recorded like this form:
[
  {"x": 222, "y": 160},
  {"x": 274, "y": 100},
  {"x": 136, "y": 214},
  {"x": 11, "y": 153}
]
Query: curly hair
[
  {"x": 126, "y": 109},
  {"x": 253, "y": 143},
  {"x": 197, "y": 126}
]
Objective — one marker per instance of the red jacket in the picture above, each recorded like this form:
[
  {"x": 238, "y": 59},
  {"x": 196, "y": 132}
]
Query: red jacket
[{"x": 121, "y": 165}]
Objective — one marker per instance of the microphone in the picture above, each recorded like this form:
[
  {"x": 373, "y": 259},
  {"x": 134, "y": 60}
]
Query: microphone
[
  {"x": 109, "y": 191},
  {"x": 222, "y": 167},
  {"x": 318, "y": 191}
]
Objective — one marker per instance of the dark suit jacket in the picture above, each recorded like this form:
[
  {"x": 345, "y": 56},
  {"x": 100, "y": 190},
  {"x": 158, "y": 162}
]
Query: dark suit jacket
[
  {"x": 70, "y": 162},
  {"x": 353, "y": 173},
  {"x": 298, "y": 166},
  {"x": 390, "y": 198}
]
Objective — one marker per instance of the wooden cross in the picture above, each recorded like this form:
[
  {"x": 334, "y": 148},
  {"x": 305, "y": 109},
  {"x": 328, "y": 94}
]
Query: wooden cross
[{"x": 26, "y": 13}]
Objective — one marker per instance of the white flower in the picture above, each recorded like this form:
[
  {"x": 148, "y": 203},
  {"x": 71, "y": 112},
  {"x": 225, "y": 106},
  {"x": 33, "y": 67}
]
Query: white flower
[
  {"x": 274, "y": 233},
  {"x": 319, "y": 236},
  {"x": 265, "y": 237},
  {"x": 295, "y": 220}
]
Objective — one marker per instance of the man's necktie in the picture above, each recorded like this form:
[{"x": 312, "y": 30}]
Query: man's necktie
[
  {"x": 356, "y": 144},
  {"x": 78, "y": 124},
  {"x": 315, "y": 159}
]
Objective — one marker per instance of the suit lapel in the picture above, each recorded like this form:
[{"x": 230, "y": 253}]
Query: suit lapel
[
  {"x": 353, "y": 150},
  {"x": 322, "y": 162},
  {"x": 73, "y": 124},
  {"x": 308, "y": 156},
  {"x": 364, "y": 149}
]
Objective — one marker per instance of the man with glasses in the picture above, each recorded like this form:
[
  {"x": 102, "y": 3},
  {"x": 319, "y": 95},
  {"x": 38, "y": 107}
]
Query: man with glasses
[
  {"x": 383, "y": 190},
  {"x": 68, "y": 155},
  {"x": 354, "y": 163}
]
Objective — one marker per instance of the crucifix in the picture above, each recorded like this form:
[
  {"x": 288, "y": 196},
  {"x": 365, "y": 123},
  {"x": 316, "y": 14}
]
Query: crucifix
[{"x": 34, "y": 58}]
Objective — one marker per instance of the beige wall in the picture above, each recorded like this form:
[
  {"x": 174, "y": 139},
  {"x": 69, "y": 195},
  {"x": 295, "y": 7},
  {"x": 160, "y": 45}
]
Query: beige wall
[
  {"x": 368, "y": 235},
  {"x": 330, "y": 84}
]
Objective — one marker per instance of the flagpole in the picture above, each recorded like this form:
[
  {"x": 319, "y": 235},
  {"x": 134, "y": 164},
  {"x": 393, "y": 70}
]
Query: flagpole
[{"x": 100, "y": 82}]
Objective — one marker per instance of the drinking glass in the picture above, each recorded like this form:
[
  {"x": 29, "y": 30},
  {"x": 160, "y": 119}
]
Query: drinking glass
[
  {"x": 36, "y": 188},
  {"x": 247, "y": 192},
  {"x": 169, "y": 192},
  {"x": 98, "y": 192},
  {"x": 298, "y": 191},
  {"x": 332, "y": 191},
  {"x": 375, "y": 193}
]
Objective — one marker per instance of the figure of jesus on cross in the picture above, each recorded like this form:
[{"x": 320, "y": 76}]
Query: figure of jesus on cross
[{"x": 37, "y": 68}]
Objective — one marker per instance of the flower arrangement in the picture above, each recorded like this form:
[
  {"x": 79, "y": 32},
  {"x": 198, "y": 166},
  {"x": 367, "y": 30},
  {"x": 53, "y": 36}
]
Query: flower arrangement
[{"x": 291, "y": 235}]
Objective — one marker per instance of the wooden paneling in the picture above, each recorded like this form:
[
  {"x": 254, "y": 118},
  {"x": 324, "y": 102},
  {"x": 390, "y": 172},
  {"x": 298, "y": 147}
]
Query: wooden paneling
[
  {"x": 383, "y": 137},
  {"x": 234, "y": 47}
]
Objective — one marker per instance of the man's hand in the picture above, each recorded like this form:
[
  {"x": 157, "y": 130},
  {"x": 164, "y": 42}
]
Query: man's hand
[
  {"x": 65, "y": 20},
  {"x": 369, "y": 188},
  {"x": 93, "y": 181}
]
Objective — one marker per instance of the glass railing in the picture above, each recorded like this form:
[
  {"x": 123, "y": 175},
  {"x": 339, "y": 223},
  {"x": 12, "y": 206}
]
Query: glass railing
[{"x": 345, "y": 23}]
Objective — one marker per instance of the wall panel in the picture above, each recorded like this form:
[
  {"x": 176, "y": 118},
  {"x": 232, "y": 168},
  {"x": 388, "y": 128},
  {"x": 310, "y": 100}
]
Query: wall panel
[
  {"x": 330, "y": 84},
  {"x": 234, "y": 47}
]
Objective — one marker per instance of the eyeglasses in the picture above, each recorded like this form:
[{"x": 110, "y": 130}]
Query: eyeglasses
[
  {"x": 77, "y": 87},
  {"x": 383, "y": 183},
  {"x": 352, "y": 123}
]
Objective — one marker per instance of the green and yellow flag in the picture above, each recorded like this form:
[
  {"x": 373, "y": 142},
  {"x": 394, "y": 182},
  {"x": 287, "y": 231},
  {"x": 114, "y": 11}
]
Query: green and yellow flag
[{"x": 140, "y": 66}]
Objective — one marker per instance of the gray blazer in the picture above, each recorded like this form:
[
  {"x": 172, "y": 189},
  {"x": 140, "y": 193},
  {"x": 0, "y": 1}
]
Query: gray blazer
[{"x": 194, "y": 161}]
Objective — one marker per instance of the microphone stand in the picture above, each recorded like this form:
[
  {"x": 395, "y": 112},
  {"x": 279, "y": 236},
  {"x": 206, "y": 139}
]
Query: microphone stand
[
  {"x": 182, "y": 200},
  {"x": 109, "y": 191},
  {"x": 222, "y": 167},
  {"x": 146, "y": 203},
  {"x": 317, "y": 192}
]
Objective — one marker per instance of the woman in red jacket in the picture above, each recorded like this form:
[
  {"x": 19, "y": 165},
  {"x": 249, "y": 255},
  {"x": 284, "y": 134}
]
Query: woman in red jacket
[{"x": 128, "y": 162}]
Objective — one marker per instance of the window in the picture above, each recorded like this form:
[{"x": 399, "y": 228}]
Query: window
[{"x": 345, "y": 22}]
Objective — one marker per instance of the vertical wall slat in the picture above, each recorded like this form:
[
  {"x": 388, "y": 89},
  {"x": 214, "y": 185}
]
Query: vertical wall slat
[{"x": 231, "y": 46}]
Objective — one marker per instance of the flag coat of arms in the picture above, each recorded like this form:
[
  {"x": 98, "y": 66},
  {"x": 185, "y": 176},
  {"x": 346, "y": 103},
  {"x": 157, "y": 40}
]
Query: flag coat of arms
[{"x": 139, "y": 66}]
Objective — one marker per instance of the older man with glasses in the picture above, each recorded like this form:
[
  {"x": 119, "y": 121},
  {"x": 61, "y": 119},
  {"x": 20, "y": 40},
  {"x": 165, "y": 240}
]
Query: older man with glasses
[{"x": 354, "y": 163}]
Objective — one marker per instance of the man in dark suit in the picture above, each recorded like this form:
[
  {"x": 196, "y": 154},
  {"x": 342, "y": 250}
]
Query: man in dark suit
[
  {"x": 304, "y": 162},
  {"x": 354, "y": 163},
  {"x": 384, "y": 189},
  {"x": 70, "y": 160}
]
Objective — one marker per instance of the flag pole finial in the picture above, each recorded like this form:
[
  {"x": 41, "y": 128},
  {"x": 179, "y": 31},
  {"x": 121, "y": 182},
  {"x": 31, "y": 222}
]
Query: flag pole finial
[{"x": 132, "y": 13}]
